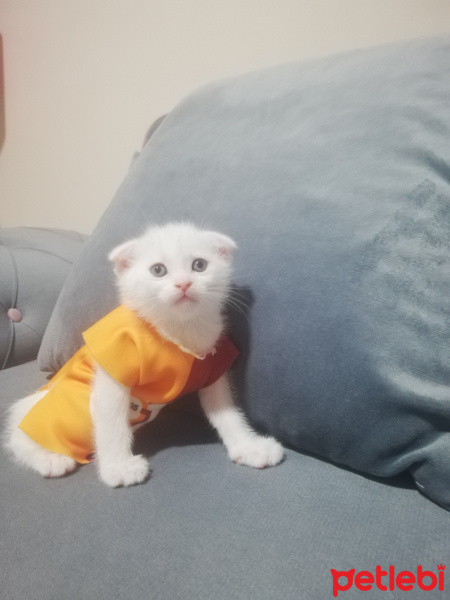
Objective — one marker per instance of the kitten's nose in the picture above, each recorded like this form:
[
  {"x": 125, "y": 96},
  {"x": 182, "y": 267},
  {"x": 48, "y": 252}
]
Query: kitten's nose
[{"x": 183, "y": 286}]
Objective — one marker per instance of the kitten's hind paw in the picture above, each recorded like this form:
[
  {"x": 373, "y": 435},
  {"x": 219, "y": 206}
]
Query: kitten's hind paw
[
  {"x": 51, "y": 465},
  {"x": 258, "y": 452},
  {"x": 131, "y": 471},
  {"x": 30, "y": 454}
]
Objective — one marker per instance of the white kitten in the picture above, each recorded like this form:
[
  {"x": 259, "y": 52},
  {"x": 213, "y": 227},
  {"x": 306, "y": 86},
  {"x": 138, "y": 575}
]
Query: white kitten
[{"x": 176, "y": 278}]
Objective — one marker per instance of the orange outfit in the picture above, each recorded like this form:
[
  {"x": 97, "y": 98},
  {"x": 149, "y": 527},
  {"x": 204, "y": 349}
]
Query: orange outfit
[{"x": 132, "y": 352}]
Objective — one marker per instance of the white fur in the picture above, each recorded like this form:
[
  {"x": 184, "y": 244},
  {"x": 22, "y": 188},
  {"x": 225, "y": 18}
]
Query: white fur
[
  {"x": 244, "y": 446},
  {"x": 186, "y": 307},
  {"x": 25, "y": 450},
  {"x": 113, "y": 437},
  {"x": 195, "y": 325}
]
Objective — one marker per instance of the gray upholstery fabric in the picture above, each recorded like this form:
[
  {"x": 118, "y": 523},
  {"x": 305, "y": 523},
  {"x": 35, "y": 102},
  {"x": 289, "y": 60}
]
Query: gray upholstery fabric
[
  {"x": 333, "y": 177},
  {"x": 33, "y": 266},
  {"x": 203, "y": 528}
]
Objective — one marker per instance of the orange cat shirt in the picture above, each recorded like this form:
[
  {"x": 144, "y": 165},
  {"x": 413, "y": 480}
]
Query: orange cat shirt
[{"x": 132, "y": 352}]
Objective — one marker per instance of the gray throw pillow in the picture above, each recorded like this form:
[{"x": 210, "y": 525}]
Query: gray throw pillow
[{"x": 333, "y": 177}]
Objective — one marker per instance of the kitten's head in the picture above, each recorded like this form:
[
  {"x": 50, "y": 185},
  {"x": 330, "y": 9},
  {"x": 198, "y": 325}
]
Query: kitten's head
[{"x": 174, "y": 272}]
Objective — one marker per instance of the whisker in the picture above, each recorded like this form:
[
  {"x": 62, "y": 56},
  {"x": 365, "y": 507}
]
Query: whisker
[
  {"x": 242, "y": 276},
  {"x": 241, "y": 301},
  {"x": 240, "y": 309},
  {"x": 240, "y": 298}
]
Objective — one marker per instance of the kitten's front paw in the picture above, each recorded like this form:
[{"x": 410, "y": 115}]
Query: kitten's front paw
[
  {"x": 258, "y": 452},
  {"x": 131, "y": 471}
]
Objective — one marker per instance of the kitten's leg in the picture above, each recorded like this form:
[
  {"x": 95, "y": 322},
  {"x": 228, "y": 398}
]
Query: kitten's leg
[
  {"x": 25, "y": 450},
  {"x": 244, "y": 445},
  {"x": 113, "y": 437}
]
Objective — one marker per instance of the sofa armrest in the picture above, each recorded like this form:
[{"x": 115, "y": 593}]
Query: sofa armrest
[{"x": 34, "y": 264}]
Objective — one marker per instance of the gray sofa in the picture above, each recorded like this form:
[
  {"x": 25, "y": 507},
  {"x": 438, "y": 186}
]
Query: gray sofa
[{"x": 333, "y": 177}]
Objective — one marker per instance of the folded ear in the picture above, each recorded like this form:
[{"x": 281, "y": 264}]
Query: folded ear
[
  {"x": 223, "y": 244},
  {"x": 122, "y": 256}
]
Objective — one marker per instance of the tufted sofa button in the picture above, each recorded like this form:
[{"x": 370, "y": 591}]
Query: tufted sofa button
[{"x": 15, "y": 315}]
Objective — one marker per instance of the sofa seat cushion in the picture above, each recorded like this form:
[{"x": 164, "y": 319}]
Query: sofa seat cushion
[{"x": 205, "y": 528}]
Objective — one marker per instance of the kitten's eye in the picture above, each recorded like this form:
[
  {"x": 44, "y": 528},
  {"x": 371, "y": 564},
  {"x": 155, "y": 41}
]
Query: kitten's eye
[
  {"x": 199, "y": 265},
  {"x": 158, "y": 270}
]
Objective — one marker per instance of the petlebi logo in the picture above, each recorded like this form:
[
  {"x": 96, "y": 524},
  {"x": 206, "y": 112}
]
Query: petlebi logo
[{"x": 388, "y": 579}]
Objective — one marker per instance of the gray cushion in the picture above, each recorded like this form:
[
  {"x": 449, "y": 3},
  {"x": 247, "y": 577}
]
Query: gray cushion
[
  {"x": 203, "y": 528},
  {"x": 33, "y": 266},
  {"x": 333, "y": 177}
]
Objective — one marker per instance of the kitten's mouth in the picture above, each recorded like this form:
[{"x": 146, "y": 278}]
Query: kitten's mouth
[{"x": 185, "y": 299}]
